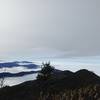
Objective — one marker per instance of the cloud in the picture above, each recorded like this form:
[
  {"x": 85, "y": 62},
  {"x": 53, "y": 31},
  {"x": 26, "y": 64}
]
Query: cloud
[{"x": 65, "y": 25}]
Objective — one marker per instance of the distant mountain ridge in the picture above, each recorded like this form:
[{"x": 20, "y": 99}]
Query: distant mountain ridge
[
  {"x": 7, "y": 74},
  {"x": 26, "y": 64}
]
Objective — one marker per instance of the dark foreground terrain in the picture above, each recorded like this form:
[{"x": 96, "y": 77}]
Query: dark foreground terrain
[{"x": 64, "y": 85}]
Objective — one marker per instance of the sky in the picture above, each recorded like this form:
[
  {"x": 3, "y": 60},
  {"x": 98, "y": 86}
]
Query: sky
[{"x": 49, "y": 29}]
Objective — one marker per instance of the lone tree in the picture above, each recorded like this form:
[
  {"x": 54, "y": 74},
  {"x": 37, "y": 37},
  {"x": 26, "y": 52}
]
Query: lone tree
[
  {"x": 46, "y": 71},
  {"x": 2, "y": 79}
]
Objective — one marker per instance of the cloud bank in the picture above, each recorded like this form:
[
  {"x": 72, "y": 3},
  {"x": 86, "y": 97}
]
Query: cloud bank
[{"x": 69, "y": 27}]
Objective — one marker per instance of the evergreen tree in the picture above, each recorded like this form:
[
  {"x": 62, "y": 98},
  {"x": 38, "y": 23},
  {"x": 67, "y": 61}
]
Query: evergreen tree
[{"x": 46, "y": 71}]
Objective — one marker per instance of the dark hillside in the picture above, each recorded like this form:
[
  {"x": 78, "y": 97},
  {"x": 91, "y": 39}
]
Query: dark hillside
[{"x": 69, "y": 84}]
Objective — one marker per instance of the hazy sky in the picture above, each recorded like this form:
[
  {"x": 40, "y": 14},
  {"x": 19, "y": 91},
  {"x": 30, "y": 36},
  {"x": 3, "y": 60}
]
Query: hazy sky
[{"x": 49, "y": 28}]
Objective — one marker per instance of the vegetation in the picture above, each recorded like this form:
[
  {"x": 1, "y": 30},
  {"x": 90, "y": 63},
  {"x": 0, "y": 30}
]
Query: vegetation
[
  {"x": 52, "y": 84},
  {"x": 46, "y": 71},
  {"x": 2, "y": 79},
  {"x": 85, "y": 93}
]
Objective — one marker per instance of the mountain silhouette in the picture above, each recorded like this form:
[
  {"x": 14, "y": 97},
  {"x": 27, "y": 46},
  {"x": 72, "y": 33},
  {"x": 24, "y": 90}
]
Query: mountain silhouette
[
  {"x": 26, "y": 64},
  {"x": 62, "y": 82},
  {"x": 7, "y": 74}
]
